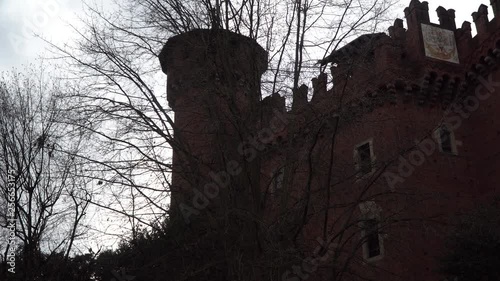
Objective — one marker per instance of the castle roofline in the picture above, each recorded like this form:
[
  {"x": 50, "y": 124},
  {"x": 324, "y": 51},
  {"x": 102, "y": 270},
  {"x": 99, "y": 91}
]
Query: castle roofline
[{"x": 361, "y": 45}]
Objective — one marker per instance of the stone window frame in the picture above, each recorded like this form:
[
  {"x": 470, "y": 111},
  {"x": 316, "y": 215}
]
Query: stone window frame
[
  {"x": 357, "y": 162},
  {"x": 453, "y": 142},
  {"x": 371, "y": 211},
  {"x": 277, "y": 179}
]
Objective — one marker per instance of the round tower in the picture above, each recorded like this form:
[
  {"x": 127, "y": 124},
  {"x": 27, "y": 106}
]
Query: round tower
[{"x": 213, "y": 87}]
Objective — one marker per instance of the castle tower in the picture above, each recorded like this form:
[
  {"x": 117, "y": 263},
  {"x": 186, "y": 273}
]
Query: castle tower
[{"x": 213, "y": 87}]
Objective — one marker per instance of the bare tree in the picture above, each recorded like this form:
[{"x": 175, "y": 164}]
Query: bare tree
[{"x": 48, "y": 202}]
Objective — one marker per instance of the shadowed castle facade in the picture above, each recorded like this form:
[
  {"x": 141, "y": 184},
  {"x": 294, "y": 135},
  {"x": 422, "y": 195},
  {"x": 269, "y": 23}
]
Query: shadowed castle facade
[{"x": 375, "y": 168}]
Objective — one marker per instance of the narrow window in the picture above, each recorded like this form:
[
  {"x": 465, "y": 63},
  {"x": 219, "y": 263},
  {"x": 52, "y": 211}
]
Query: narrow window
[
  {"x": 278, "y": 178},
  {"x": 372, "y": 242},
  {"x": 445, "y": 140},
  {"x": 364, "y": 158}
]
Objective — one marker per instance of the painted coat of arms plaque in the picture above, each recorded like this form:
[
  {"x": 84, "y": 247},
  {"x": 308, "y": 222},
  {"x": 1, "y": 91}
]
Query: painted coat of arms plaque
[{"x": 440, "y": 43}]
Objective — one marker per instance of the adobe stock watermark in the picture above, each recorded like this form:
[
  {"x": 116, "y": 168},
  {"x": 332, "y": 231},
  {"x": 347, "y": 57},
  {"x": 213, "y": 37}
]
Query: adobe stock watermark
[
  {"x": 44, "y": 11},
  {"x": 249, "y": 150},
  {"x": 453, "y": 118},
  {"x": 310, "y": 264},
  {"x": 11, "y": 221}
]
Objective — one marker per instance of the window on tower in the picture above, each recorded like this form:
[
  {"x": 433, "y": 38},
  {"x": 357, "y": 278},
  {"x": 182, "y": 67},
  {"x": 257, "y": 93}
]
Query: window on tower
[{"x": 364, "y": 157}]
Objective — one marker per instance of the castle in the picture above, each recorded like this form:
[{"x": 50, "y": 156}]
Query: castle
[{"x": 374, "y": 169}]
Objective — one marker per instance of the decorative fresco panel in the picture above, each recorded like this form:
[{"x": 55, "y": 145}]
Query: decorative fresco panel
[{"x": 440, "y": 43}]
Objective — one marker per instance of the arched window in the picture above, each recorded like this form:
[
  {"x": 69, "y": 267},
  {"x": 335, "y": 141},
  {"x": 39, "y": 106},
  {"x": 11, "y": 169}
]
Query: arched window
[{"x": 372, "y": 238}]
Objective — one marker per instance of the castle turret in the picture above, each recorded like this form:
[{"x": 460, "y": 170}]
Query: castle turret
[
  {"x": 213, "y": 87},
  {"x": 446, "y": 18},
  {"x": 481, "y": 20},
  {"x": 416, "y": 15}
]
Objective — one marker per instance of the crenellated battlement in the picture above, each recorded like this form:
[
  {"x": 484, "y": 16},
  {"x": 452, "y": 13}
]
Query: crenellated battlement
[{"x": 426, "y": 63}]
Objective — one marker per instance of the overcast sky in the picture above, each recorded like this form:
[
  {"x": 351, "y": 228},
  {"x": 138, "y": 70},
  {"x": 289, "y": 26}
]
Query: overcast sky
[{"x": 19, "y": 18}]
